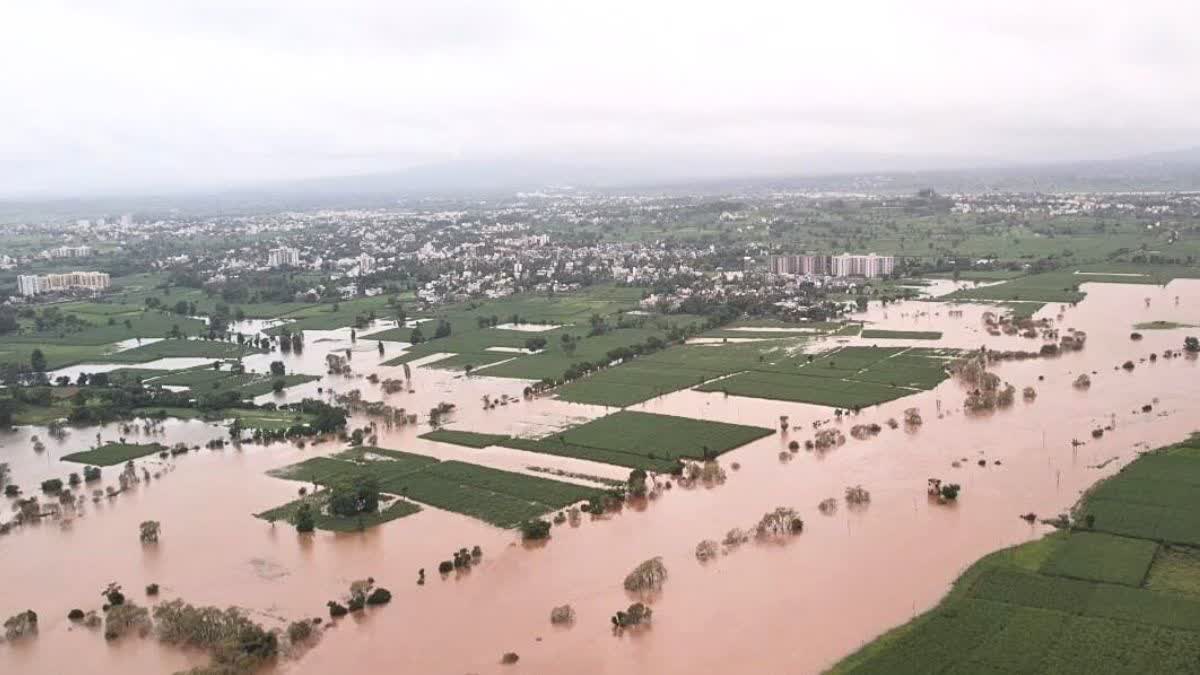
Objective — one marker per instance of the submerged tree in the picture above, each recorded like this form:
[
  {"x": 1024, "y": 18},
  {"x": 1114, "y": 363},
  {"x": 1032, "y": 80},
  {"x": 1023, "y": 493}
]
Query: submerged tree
[
  {"x": 149, "y": 530},
  {"x": 648, "y": 576}
]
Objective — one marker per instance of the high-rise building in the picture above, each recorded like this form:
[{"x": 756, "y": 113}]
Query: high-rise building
[
  {"x": 31, "y": 284},
  {"x": 844, "y": 265},
  {"x": 278, "y": 257},
  {"x": 366, "y": 264}
]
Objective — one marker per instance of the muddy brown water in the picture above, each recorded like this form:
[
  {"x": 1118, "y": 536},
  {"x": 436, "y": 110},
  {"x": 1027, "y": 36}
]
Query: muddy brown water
[{"x": 791, "y": 608}]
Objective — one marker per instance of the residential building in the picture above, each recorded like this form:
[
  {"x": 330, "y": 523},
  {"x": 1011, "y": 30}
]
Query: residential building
[
  {"x": 278, "y": 257},
  {"x": 31, "y": 284}
]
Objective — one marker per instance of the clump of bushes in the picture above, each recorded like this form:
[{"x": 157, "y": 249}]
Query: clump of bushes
[
  {"x": 152, "y": 589},
  {"x": 828, "y": 507},
  {"x": 235, "y": 643},
  {"x": 300, "y": 631},
  {"x": 636, "y": 615},
  {"x": 126, "y": 619},
  {"x": 379, "y": 596},
  {"x": 21, "y": 624},
  {"x": 509, "y": 658},
  {"x": 1082, "y": 382},
  {"x": 91, "y": 474},
  {"x": 52, "y": 486},
  {"x": 148, "y": 531},
  {"x": 780, "y": 522},
  {"x": 336, "y": 609},
  {"x": 943, "y": 492},
  {"x": 706, "y": 550}
]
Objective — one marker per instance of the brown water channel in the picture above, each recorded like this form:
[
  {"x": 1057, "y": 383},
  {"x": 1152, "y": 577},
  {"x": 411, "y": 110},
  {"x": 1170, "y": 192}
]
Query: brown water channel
[{"x": 792, "y": 608}]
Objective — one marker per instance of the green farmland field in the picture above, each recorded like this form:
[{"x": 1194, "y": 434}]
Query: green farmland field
[
  {"x": 1073, "y": 602},
  {"x": 643, "y": 440},
  {"x": 901, "y": 334},
  {"x": 502, "y": 498},
  {"x": 114, "y": 453},
  {"x": 324, "y": 520},
  {"x": 469, "y": 439},
  {"x": 851, "y": 377}
]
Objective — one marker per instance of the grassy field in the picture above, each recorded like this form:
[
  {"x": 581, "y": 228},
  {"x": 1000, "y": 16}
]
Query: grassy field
[
  {"x": 143, "y": 323},
  {"x": 851, "y": 377},
  {"x": 1075, "y": 601},
  {"x": 323, "y": 520},
  {"x": 642, "y": 440},
  {"x": 901, "y": 334},
  {"x": 1162, "y": 325},
  {"x": 502, "y": 498},
  {"x": 1058, "y": 286},
  {"x": 205, "y": 380},
  {"x": 469, "y": 439},
  {"x": 114, "y": 453}
]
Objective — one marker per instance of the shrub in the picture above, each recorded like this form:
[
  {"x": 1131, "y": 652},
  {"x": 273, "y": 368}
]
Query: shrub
[
  {"x": 11, "y": 490},
  {"x": 562, "y": 615},
  {"x": 794, "y": 446},
  {"x": 356, "y": 603},
  {"x": 75, "y": 615},
  {"x": 379, "y": 596},
  {"x": 636, "y": 615},
  {"x": 949, "y": 491},
  {"x": 299, "y": 631},
  {"x": 777, "y": 523},
  {"x": 648, "y": 576},
  {"x": 535, "y": 529},
  {"x": 336, "y": 609},
  {"x": 91, "y": 474},
  {"x": 857, "y": 495},
  {"x": 149, "y": 530},
  {"x": 305, "y": 522},
  {"x": 509, "y": 658},
  {"x": 235, "y": 643},
  {"x": 706, "y": 550},
  {"x": 828, "y": 506},
  {"x": 21, "y": 624},
  {"x": 126, "y": 619},
  {"x": 52, "y": 486},
  {"x": 445, "y": 567},
  {"x": 152, "y": 589}
]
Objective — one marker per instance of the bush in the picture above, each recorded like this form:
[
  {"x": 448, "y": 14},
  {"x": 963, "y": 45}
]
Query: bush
[
  {"x": 562, "y": 615},
  {"x": 235, "y": 643},
  {"x": 75, "y": 615},
  {"x": 706, "y": 550},
  {"x": 305, "y": 521},
  {"x": 949, "y": 491},
  {"x": 794, "y": 446},
  {"x": 91, "y": 474},
  {"x": 152, "y": 590},
  {"x": 149, "y": 530},
  {"x": 11, "y": 490},
  {"x": 445, "y": 567},
  {"x": 379, "y": 596},
  {"x": 509, "y": 658},
  {"x": 299, "y": 631},
  {"x": 637, "y": 614},
  {"x": 356, "y": 603},
  {"x": 52, "y": 486},
  {"x": 336, "y": 609},
  {"x": 21, "y": 624},
  {"x": 535, "y": 529},
  {"x": 126, "y": 619}
]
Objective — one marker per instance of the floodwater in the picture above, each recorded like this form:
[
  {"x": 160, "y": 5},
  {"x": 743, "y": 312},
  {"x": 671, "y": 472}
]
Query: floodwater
[{"x": 791, "y": 608}]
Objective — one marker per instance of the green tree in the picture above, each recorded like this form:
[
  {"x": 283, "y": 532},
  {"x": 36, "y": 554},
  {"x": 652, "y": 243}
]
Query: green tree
[
  {"x": 277, "y": 368},
  {"x": 1191, "y": 344},
  {"x": 305, "y": 522},
  {"x": 37, "y": 360}
]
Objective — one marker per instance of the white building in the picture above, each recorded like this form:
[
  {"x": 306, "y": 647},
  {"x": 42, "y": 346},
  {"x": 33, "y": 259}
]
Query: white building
[
  {"x": 366, "y": 264},
  {"x": 31, "y": 284},
  {"x": 278, "y": 257}
]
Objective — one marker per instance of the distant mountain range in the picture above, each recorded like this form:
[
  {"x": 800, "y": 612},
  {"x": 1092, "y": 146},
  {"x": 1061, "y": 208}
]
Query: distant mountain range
[{"x": 1177, "y": 170}]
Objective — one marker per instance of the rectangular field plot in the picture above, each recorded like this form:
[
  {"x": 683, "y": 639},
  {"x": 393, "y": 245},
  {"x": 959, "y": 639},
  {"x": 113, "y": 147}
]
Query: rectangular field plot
[
  {"x": 643, "y": 440},
  {"x": 502, "y": 498},
  {"x": 1102, "y": 557},
  {"x": 875, "y": 333},
  {"x": 323, "y": 520},
  {"x": 114, "y": 453},
  {"x": 853, "y": 377},
  {"x": 468, "y": 439},
  {"x": 1176, "y": 569}
]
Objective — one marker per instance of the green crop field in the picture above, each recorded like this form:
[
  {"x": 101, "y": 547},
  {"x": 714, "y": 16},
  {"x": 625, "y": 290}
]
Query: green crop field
[
  {"x": 204, "y": 380},
  {"x": 1072, "y": 602},
  {"x": 851, "y": 377},
  {"x": 142, "y": 323},
  {"x": 672, "y": 369},
  {"x": 1095, "y": 556},
  {"x": 114, "y": 453},
  {"x": 901, "y": 334},
  {"x": 182, "y": 348},
  {"x": 642, "y": 440},
  {"x": 469, "y": 439},
  {"x": 502, "y": 498},
  {"x": 324, "y": 520}
]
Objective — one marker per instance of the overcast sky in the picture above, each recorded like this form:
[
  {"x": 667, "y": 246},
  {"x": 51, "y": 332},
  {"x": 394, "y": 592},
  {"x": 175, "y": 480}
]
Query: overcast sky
[{"x": 104, "y": 95}]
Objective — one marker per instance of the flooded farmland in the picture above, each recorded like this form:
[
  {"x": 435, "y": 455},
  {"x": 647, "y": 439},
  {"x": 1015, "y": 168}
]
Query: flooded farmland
[{"x": 794, "y": 607}]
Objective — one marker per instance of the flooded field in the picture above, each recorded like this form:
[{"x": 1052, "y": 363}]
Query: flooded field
[{"x": 795, "y": 607}]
